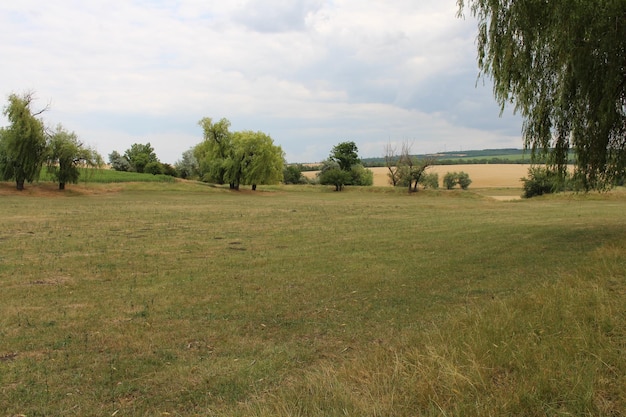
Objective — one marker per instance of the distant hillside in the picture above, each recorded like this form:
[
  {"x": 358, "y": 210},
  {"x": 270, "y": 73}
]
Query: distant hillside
[{"x": 485, "y": 156}]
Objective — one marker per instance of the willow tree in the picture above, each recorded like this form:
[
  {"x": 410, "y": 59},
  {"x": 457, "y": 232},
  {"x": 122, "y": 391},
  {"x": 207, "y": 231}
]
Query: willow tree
[
  {"x": 22, "y": 143},
  {"x": 562, "y": 64},
  {"x": 213, "y": 153},
  {"x": 253, "y": 160},
  {"x": 67, "y": 154}
]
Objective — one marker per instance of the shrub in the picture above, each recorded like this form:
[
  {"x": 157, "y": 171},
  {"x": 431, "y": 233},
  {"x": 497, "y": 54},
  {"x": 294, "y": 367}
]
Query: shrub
[
  {"x": 542, "y": 180},
  {"x": 169, "y": 170},
  {"x": 430, "y": 180},
  {"x": 292, "y": 174},
  {"x": 336, "y": 177},
  {"x": 453, "y": 178},
  {"x": 463, "y": 180},
  {"x": 361, "y": 175},
  {"x": 449, "y": 180},
  {"x": 118, "y": 162},
  {"x": 154, "y": 168}
]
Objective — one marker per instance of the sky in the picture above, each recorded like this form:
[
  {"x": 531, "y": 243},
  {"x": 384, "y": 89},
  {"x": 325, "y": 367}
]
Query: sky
[{"x": 310, "y": 73}]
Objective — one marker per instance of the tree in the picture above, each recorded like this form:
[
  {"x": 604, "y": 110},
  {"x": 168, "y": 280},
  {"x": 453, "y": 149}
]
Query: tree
[
  {"x": 263, "y": 162},
  {"x": 154, "y": 168},
  {"x": 169, "y": 170},
  {"x": 411, "y": 168},
  {"x": 344, "y": 157},
  {"x": 119, "y": 162},
  {"x": 237, "y": 158},
  {"x": 562, "y": 64},
  {"x": 187, "y": 166},
  {"x": 213, "y": 153},
  {"x": 346, "y": 154},
  {"x": 292, "y": 174},
  {"x": 253, "y": 159},
  {"x": 140, "y": 155},
  {"x": 391, "y": 162},
  {"x": 23, "y": 142},
  {"x": 66, "y": 154},
  {"x": 331, "y": 174}
]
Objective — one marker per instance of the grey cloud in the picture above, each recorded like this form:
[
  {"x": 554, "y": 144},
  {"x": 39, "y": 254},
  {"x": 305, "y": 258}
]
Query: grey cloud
[
  {"x": 308, "y": 72},
  {"x": 276, "y": 15}
]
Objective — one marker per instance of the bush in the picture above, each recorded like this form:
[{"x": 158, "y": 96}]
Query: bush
[
  {"x": 453, "y": 178},
  {"x": 463, "y": 180},
  {"x": 430, "y": 180},
  {"x": 449, "y": 180},
  {"x": 169, "y": 170},
  {"x": 361, "y": 175},
  {"x": 154, "y": 168},
  {"x": 336, "y": 177},
  {"x": 292, "y": 174},
  {"x": 542, "y": 180},
  {"x": 118, "y": 162}
]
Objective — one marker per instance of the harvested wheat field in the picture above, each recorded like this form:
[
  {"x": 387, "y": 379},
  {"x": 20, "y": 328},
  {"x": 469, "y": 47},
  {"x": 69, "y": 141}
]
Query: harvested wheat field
[{"x": 482, "y": 176}]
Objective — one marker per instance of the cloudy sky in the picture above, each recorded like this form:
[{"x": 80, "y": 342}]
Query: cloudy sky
[{"x": 310, "y": 73}]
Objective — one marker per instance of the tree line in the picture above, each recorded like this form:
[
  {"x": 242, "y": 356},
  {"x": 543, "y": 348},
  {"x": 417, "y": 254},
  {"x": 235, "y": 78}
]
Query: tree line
[
  {"x": 222, "y": 157},
  {"x": 26, "y": 145}
]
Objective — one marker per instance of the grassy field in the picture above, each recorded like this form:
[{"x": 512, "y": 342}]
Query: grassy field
[
  {"x": 107, "y": 176},
  {"x": 182, "y": 299}
]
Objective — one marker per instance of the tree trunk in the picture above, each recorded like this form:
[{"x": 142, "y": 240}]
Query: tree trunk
[
  {"x": 61, "y": 186},
  {"x": 253, "y": 187},
  {"x": 19, "y": 184}
]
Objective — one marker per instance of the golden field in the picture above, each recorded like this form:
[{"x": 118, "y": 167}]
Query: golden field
[{"x": 482, "y": 176}]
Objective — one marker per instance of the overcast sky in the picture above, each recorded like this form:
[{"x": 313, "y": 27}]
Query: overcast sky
[{"x": 310, "y": 73}]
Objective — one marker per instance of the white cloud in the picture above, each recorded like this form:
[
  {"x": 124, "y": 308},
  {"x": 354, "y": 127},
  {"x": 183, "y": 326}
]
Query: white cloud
[{"x": 310, "y": 73}]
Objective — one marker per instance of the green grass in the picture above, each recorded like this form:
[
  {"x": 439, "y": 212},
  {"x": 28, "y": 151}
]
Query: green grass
[
  {"x": 184, "y": 299},
  {"x": 105, "y": 176}
]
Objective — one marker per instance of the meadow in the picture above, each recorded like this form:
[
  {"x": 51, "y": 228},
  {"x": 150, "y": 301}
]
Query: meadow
[{"x": 182, "y": 299}]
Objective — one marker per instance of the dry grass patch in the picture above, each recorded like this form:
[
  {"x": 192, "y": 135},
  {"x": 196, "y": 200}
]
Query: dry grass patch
[{"x": 194, "y": 300}]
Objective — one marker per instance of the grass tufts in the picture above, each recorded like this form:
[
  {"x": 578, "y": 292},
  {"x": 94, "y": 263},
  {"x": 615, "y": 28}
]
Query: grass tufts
[{"x": 183, "y": 299}]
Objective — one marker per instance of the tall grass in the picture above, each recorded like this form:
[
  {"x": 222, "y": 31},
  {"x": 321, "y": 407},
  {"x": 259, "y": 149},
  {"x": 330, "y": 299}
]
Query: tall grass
[
  {"x": 179, "y": 299},
  {"x": 106, "y": 176}
]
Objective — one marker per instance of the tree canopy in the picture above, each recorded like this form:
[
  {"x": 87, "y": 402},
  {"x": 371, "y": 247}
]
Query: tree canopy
[
  {"x": 262, "y": 161},
  {"x": 213, "y": 152},
  {"x": 343, "y": 167},
  {"x": 140, "y": 156},
  {"x": 237, "y": 158},
  {"x": 23, "y": 143},
  {"x": 562, "y": 63},
  {"x": 67, "y": 154},
  {"x": 346, "y": 154}
]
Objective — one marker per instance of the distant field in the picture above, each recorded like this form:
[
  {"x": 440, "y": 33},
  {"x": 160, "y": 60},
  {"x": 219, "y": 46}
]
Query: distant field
[{"x": 482, "y": 176}]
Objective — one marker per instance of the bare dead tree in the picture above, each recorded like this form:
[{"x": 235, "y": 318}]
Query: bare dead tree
[
  {"x": 411, "y": 167},
  {"x": 391, "y": 162}
]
